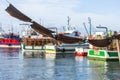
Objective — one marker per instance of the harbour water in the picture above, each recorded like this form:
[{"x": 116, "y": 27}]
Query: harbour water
[{"x": 13, "y": 66}]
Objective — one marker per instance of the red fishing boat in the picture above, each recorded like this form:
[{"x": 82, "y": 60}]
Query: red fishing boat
[{"x": 9, "y": 39}]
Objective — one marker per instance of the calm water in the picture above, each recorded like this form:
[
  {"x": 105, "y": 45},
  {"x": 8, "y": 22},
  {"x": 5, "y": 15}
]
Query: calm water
[{"x": 13, "y": 66}]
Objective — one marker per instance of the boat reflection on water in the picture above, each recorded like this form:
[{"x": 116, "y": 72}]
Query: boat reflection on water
[
  {"x": 98, "y": 70},
  {"x": 42, "y": 54},
  {"x": 113, "y": 70},
  {"x": 33, "y": 54},
  {"x": 13, "y": 67},
  {"x": 101, "y": 70},
  {"x": 9, "y": 52},
  {"x": 38, "y": 69},
  {"x": 38, "y": 54}
]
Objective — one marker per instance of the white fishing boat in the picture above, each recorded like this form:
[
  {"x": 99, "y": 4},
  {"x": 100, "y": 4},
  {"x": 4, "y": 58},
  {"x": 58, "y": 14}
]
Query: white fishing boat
[{"x": 68, "y": 45}]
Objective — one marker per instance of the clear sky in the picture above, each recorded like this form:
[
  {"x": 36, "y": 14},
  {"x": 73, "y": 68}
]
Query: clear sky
[{"x": 53, "y": 13}]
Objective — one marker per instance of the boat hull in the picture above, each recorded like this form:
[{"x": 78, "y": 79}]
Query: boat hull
[
  {"x": 79, "y": 51},
  {"x": 10, "y": 46},
  {"x": 102, "y": 55}
]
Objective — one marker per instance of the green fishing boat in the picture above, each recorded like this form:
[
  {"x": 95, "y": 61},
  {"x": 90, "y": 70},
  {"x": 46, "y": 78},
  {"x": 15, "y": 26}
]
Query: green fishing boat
[
  {"x": 102, "y": 54},
  {"x": 104, "y": 48}
]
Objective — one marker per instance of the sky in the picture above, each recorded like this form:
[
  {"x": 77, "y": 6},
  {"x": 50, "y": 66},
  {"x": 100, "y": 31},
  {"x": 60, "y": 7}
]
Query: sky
[{"x": 53, "y": 13}]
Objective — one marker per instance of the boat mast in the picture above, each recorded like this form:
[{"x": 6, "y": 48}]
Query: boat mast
[
  {"x": 86, "y": 28},
  {"x": 11, "y": 28},
  {"x": 68, "y": 21},
  {"x": 89, "y": 19}
]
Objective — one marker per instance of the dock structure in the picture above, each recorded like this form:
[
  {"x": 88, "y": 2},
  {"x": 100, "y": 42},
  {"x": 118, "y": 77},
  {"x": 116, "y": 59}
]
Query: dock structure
[{"x": 118, "y": 48}]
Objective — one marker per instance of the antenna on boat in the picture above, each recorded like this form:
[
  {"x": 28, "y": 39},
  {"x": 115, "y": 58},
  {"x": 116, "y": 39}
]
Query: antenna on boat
[{"x": 68, "y": 22}]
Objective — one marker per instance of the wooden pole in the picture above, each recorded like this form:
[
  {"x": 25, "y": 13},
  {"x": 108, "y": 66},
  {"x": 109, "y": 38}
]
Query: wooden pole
[{"x": 118, "y": 48}]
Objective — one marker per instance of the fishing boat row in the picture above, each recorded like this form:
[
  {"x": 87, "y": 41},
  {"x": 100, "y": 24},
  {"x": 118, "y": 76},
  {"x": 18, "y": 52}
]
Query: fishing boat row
[
  {"x": 98, "y": 46},
  {"x": 102, "y": 45}
]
